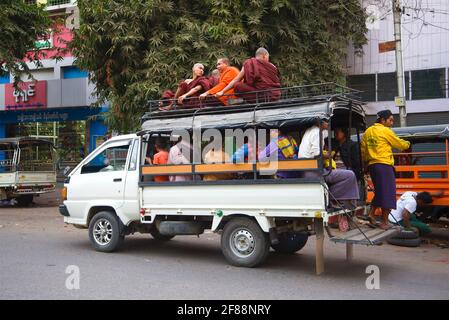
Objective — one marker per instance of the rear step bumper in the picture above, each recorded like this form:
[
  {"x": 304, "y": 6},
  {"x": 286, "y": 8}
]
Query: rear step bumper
[{"x": 366, "y": 236}]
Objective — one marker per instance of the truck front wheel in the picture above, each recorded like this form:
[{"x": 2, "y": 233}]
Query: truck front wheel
[
  {"x": 104, "y": 232},
  {"x": 243, "y": 243}
]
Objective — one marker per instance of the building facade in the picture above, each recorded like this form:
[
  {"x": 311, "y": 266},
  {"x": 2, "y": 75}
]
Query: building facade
[
  {"x": 425, "y": 43},
  {"x": 57, "y": 105}
]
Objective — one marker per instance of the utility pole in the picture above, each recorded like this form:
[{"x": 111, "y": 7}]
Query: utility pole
[{"x": 400, "y": 99}]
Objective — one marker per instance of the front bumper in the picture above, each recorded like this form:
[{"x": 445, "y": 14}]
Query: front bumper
[{"x": 63, "y": 210}]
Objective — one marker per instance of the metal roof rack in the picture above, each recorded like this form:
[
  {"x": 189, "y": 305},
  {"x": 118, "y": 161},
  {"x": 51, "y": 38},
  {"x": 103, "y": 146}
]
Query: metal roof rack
[{"x": 288, "y": 97}]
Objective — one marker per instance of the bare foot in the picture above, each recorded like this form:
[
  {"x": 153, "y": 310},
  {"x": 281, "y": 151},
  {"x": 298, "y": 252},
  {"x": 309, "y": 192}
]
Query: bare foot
[{"x": 384, "y": 226}]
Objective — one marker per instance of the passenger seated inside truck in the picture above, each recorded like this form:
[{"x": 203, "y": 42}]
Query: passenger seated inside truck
[
  {"x": 281, "y": 147},
  {"x": 343, "y": 186},
  {"x": 217, "y": 156},
  {"x": 160, "y": 158},
  {"x": 180, "y": 153}
]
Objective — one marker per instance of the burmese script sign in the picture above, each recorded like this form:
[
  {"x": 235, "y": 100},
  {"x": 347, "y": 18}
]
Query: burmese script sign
[{"x": 32, "y": 95}]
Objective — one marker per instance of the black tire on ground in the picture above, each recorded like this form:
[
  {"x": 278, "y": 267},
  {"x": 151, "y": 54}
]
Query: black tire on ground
[
  {"x": 24, "y": 200},
  {"x": 243, "y": 243},
  {"x": 104, "y": 232},
  {"x": 290, "y": 242},
  {"x": 158, "y": 236},
  {"x": 405, "y": 242},
  {"x": 407, "y": 234}
]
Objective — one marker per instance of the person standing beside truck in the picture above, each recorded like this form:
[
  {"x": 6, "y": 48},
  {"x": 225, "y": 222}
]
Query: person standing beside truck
[{"x": 377, "y": 152}]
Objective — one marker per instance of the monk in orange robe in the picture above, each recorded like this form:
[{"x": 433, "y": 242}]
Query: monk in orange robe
[
  {"x": 259, "y": 74},
  {"x": 227, "y": 73}
]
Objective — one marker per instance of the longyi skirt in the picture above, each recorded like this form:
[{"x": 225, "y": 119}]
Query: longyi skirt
[{"x": 384, "y": 181}]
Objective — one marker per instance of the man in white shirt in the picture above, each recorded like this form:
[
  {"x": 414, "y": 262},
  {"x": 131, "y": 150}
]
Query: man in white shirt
[
  {"x": 342, "y": 183},
  {"x": 180, "y": 153},
  {"x": 310, "y": 143},
  {"x": 405, "y": 208}
]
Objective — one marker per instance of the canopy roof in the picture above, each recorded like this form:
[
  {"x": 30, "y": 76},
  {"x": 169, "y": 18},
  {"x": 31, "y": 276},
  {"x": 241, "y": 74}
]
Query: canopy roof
[
  {"x": 274, "y": 116},
  {"x": 18, "y": 140},
  {"x": 423, "y": 132}
]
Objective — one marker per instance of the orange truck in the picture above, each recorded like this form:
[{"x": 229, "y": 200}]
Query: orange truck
[{"x": 425, "y": 166}]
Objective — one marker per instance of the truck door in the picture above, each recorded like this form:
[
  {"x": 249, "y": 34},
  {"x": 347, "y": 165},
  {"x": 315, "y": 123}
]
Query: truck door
[
  {"x": 102, "y": 179},
  {"x": 131, "y": 194}
]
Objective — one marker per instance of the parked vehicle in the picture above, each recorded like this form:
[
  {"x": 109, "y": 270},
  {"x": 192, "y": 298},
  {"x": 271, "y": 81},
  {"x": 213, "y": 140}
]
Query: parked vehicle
[
  {"x": 27, "y": 168},
  {"x": 112, "y": 192},
  {"x": 425, "y": 166}
]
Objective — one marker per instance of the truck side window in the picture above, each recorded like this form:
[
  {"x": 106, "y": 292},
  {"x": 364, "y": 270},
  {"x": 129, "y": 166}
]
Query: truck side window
[
  {"x": 133, "y": 159},
  {"x": 111, "y": 159}
]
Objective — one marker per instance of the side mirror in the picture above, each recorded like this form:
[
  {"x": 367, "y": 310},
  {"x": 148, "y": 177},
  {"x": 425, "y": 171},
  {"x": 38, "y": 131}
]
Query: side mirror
[{"x": 66, "y": 171}]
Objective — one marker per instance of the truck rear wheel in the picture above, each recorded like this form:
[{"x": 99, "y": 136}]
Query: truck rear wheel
[
  {"x": 24, "y": 200},
  {"x": 243, "y": 243},
  {"x": 104, "y": 232},
  {"x": 290, "y": 242}
]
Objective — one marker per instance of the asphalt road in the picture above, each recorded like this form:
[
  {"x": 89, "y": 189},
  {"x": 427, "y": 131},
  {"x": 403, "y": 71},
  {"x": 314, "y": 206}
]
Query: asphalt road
[{"x": 37, "y": 248}]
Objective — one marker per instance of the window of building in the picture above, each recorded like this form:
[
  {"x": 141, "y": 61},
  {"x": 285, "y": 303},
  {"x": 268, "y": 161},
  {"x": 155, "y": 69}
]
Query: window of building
[
  {"x": 4, "y": 78},
  {"x": 365, "y": 83},
  {"x": 387, "y": 86},
  {"x": 72, "y": 72},
  {"x": 428, "y": 84}
]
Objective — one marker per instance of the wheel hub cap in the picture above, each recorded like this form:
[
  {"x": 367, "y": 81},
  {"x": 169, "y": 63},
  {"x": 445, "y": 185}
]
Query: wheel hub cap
[
  {"x": 242, "y": 243},
  {"x": 102, "y": 232}
]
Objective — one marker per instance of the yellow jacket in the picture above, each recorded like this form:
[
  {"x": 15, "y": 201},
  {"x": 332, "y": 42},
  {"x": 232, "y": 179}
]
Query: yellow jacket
[{"x": 377, "y": 143}]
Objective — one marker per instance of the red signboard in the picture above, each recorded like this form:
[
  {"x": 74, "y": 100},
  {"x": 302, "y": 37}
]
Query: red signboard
[
  {"x": 33, "y": 95},
  {"x": 387, "y": 46}
]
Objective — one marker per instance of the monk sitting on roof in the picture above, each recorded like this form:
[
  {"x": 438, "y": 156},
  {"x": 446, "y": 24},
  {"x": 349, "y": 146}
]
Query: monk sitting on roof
[
  {"x": 214, "y": 78},
  {"x": 227, "y": 73},
  {"x": 259, "y": 74},
  {"x": 190, "y": 88}
]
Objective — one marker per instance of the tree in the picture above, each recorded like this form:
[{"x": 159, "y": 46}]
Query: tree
[
  {"x": 21, "y": 25},
  {"x": 135, "y": 49}
]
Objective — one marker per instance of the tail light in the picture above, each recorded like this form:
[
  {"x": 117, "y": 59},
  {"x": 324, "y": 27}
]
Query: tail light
[{"x": 64, "y": 194}]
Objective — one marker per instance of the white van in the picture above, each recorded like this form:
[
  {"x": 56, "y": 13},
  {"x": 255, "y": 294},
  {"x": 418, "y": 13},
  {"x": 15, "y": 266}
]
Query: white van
[{"x": 113, "y": 193}]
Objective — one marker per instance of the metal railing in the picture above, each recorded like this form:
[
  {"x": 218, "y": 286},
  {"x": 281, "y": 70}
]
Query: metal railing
[{"x": 273, "y": 97}]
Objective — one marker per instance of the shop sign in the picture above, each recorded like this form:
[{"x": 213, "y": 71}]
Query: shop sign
[
  {"x": 387, "y": 46},
  {"x": 31, "y": 95}
]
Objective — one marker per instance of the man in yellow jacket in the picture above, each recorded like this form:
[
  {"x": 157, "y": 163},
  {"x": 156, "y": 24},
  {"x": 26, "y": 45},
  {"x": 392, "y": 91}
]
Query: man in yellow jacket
[{"x": 377, "y": 144}]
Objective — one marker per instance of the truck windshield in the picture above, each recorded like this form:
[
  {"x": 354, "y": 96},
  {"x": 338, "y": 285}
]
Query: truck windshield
[
  {"x": 36, "y": 156},
  {"x": 6, "y": 157}
]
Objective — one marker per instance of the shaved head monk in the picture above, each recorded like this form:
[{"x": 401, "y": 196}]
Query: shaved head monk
[
  {"x": 214, "y": 78},
  {"x": 259, "y": 74},
  {"x": 227, "y": 73},
  {"x": 191, "y": 88}
]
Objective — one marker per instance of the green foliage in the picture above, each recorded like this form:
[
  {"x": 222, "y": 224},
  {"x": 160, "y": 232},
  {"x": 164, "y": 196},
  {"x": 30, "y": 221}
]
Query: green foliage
[
  {"x": 21, "y": 25},
  {"x": 136, "y": 49}
]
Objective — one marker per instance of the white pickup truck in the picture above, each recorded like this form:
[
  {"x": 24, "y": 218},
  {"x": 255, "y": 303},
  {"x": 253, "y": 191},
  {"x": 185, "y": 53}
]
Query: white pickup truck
[
  {"x": 113, "y": 192},
  {"x": 27, "y": 168}
]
